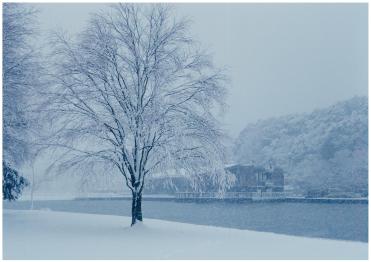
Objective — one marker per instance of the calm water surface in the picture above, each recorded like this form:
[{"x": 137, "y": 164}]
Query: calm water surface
[{"x": 325, "y": 220}]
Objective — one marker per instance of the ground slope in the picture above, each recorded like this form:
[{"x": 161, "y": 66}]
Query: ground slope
[{"x": 60, "y": 235}]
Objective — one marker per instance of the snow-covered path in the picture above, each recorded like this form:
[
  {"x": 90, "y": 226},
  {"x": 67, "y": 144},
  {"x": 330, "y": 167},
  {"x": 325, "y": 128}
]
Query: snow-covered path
[{"x": 61, "y": 235}]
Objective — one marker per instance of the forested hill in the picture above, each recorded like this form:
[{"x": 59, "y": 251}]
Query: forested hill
[{"x": 322, "y": 150}]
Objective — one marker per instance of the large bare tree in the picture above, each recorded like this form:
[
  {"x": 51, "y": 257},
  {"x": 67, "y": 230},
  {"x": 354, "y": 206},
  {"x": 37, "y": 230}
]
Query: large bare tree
[{"x": 134, "y": 91}]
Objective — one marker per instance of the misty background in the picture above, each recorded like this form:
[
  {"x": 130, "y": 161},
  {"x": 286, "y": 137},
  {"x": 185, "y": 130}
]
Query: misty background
[{"x": 281, "y": 58}]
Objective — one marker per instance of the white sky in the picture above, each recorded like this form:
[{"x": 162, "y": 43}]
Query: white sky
[{"x": 282, "y": 58}]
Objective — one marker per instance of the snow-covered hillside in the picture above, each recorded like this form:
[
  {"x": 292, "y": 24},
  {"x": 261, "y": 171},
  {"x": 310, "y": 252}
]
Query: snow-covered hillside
[
  {"x": 59, "y": 235},
  {"x": 326, "y": 149}
]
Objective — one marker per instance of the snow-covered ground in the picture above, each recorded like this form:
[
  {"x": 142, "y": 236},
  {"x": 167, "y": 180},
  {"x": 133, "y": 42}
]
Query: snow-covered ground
[{"x": 61, "y": 235}]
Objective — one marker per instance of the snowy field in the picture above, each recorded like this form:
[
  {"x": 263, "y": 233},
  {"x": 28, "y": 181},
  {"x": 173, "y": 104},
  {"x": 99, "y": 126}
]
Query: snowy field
[{"x": 60, "y": 235}]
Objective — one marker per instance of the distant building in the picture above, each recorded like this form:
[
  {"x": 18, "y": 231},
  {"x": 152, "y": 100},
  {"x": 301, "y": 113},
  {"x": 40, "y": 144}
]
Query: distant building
[{"x": 249, "y": 178}]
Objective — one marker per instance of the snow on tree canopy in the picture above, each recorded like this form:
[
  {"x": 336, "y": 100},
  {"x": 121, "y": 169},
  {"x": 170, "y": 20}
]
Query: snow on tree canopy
[{"x": 134, "y": 92}]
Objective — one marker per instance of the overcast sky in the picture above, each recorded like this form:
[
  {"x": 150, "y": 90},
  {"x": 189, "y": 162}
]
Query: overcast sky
[{"x": 281, "y": 58}]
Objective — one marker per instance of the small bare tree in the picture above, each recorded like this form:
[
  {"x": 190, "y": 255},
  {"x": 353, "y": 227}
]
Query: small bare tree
[
  {"x": 20, "y": 78},
  {"x": 135, "y": 92}
]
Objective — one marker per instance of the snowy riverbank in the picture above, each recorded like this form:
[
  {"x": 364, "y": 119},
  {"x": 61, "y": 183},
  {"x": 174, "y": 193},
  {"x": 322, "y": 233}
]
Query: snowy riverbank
[{"x": 60, "y": 235}]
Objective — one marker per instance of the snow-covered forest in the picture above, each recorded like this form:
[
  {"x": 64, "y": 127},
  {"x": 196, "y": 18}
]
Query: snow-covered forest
[{"x": 323, "y": 150}]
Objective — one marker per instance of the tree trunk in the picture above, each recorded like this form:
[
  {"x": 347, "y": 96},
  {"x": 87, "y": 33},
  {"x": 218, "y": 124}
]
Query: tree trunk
[
  {"x": 32, "y": 185},
  {"x": 136, "y": 208}
]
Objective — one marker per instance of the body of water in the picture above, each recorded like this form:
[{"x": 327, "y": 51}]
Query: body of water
[{"x": 345, "y": 221}]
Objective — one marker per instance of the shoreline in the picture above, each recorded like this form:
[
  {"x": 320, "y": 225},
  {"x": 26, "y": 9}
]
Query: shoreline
[
  {"x": 265, "y": 216},
  {"x": 237, "y": 200},
  {"x": 65, "y": 235},
  {"x": 205, "y": 199}
]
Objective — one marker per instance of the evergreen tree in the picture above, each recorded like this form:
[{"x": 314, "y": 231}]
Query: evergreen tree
[{"x": 13, "y": 183}]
